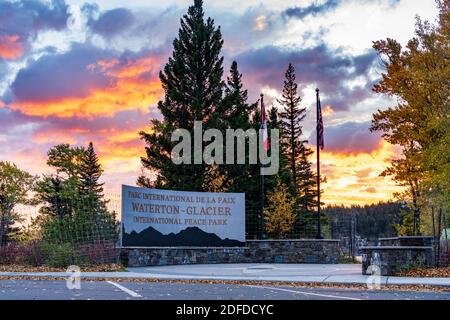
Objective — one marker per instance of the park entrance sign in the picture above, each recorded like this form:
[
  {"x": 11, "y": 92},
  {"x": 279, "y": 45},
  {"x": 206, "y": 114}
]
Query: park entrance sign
[{"x": 166, "y": 218}]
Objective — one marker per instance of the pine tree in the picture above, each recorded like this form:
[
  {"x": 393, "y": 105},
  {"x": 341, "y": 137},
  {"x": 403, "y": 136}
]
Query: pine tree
[
  {"x": 297, "y": 169},
  {"x": 290, "y": 124},
  {"x": 59, "y": 196},
  {"x": 235, "y": 114},
  {"x": 236, "y": 110},
  {"x": 193, "y": 87},
  {"x": 274, "y": 122},
  {"x": 90, "y": 173},
  {"x": 72, "y": 200}
]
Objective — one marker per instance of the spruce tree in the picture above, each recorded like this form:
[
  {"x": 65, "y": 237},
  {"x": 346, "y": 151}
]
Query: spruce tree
[
  {"x": 72, "y": 200},
  {"x": 93, "y": 204},
  {"x": 290, "y": 124},
  {"x": 300, "y": 177},
  {"x": 236, "y": 110},
  {"x": 235, "y": 114},
  {"x": 274, "y": 122},
  {"x": 193, "y": 87},
  {"x": 90, "y": 173}
]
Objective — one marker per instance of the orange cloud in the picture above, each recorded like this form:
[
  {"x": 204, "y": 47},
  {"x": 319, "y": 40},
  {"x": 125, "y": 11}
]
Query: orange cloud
[
  {"x": 112, "y": 145},
  {"x": 354, "y": 178},
  {"x": 131, "y": 89},
  {"x": 327, "y": 111},
  {"x": 9, "y": 47}
]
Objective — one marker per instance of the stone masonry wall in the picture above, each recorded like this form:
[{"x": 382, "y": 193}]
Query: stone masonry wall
[
  {"x": 395, "y": 259},
  {"x": 407, "y": 241},
  {"x": 256, "y": 251}
]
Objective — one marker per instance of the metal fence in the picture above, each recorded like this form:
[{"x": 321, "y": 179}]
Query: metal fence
[
  {"x": 304, "y": 227},
  {"x": 64, "y": 232},
  {"x": 84, "y": 233}
]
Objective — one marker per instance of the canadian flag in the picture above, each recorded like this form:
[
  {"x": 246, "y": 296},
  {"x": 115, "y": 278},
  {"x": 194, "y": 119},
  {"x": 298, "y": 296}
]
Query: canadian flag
[{"x": 264, "y": 125}]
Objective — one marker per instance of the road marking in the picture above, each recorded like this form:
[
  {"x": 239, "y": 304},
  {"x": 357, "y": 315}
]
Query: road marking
[
  {"x": 307, "y": 293},
  {"x": 130, "y": 292}
]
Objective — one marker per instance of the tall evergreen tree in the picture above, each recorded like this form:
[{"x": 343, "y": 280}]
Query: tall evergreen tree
[
  {"x": 300, "y": 177},
  {"x": 290, "y": 123},
  {"x": 274, "y": 121},
  {"x": 193, "y": 87},
  {"x": 90, "y": 173},
  {"x": 59, "y": 196},
  {"x": 236, "y": 111},
  {"x": 72, "y": 200}
]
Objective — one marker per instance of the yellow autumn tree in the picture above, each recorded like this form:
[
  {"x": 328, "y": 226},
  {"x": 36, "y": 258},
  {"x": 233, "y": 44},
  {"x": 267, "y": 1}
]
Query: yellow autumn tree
[
  {"x": 279, "y": 217},
  {"x": 215, "y": 179}
]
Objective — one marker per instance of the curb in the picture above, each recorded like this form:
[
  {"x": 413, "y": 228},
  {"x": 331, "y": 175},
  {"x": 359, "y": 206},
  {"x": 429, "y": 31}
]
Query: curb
[{"x": 361, "y": 280}]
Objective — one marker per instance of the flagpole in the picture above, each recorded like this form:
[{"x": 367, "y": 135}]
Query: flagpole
[
  {"x": 261, "y": 179},
  {"x": 319, "y": 231}
]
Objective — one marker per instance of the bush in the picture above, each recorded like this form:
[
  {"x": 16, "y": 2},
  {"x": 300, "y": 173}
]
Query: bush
[
  {"x": 8, "y": 254},
  {"x": 79, "y": 229},
  {"x": 60, "y": 255},
  {"x": 27, "y": 253}
]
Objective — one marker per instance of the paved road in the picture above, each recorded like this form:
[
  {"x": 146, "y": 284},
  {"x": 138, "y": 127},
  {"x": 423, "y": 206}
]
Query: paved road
[
  {"x": 102, "y": 290},
  {"x": 250, "y": 270},
  {"x": 324, "y": 273}
]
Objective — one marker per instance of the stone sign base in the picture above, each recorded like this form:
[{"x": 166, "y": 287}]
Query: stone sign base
[
  {"x": 255, "y": 251},
  {"x": 391, "y": 260},
  {"x": 394, "y": 255}
]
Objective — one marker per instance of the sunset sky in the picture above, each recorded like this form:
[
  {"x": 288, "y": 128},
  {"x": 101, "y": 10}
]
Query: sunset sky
[{"x": 75, "y": 71}]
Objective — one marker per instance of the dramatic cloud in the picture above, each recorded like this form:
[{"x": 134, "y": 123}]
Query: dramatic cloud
[
  {"x": 10, "y": 48},
  {"x": 329, "y": 69},
  {"x": 20, "y": 21},
  {"x": 349, "y": 138},
  {"x": 66, "y": 75},
  {"x": 355, "y": 178},
  {"x": 78, "y": 71},
  {"x": 313, "y": 9},
  {"x": 87, "y": 81},
  {"x": 112, "y": 22}
]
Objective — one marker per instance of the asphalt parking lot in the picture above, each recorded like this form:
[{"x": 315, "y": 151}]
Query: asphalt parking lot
[{"x": 109, "y": 290}]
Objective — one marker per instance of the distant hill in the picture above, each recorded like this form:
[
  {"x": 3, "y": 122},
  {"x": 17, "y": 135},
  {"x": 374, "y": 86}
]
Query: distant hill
[{"x": 191, "y": 236}]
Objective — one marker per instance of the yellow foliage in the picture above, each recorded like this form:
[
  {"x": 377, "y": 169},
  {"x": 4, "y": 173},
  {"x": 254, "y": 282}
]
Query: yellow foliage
[{"x": 279, "y": 217}]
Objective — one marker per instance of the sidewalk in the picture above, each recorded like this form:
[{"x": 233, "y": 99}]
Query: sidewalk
[{"x": 308, "y": 273}]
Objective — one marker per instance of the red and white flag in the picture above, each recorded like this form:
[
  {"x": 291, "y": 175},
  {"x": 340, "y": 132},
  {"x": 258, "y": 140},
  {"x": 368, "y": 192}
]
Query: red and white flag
[{"x": 264, "y": 126}]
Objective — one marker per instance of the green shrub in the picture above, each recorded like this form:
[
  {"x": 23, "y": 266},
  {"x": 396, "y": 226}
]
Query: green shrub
[{"x": 60, "y": 255}]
